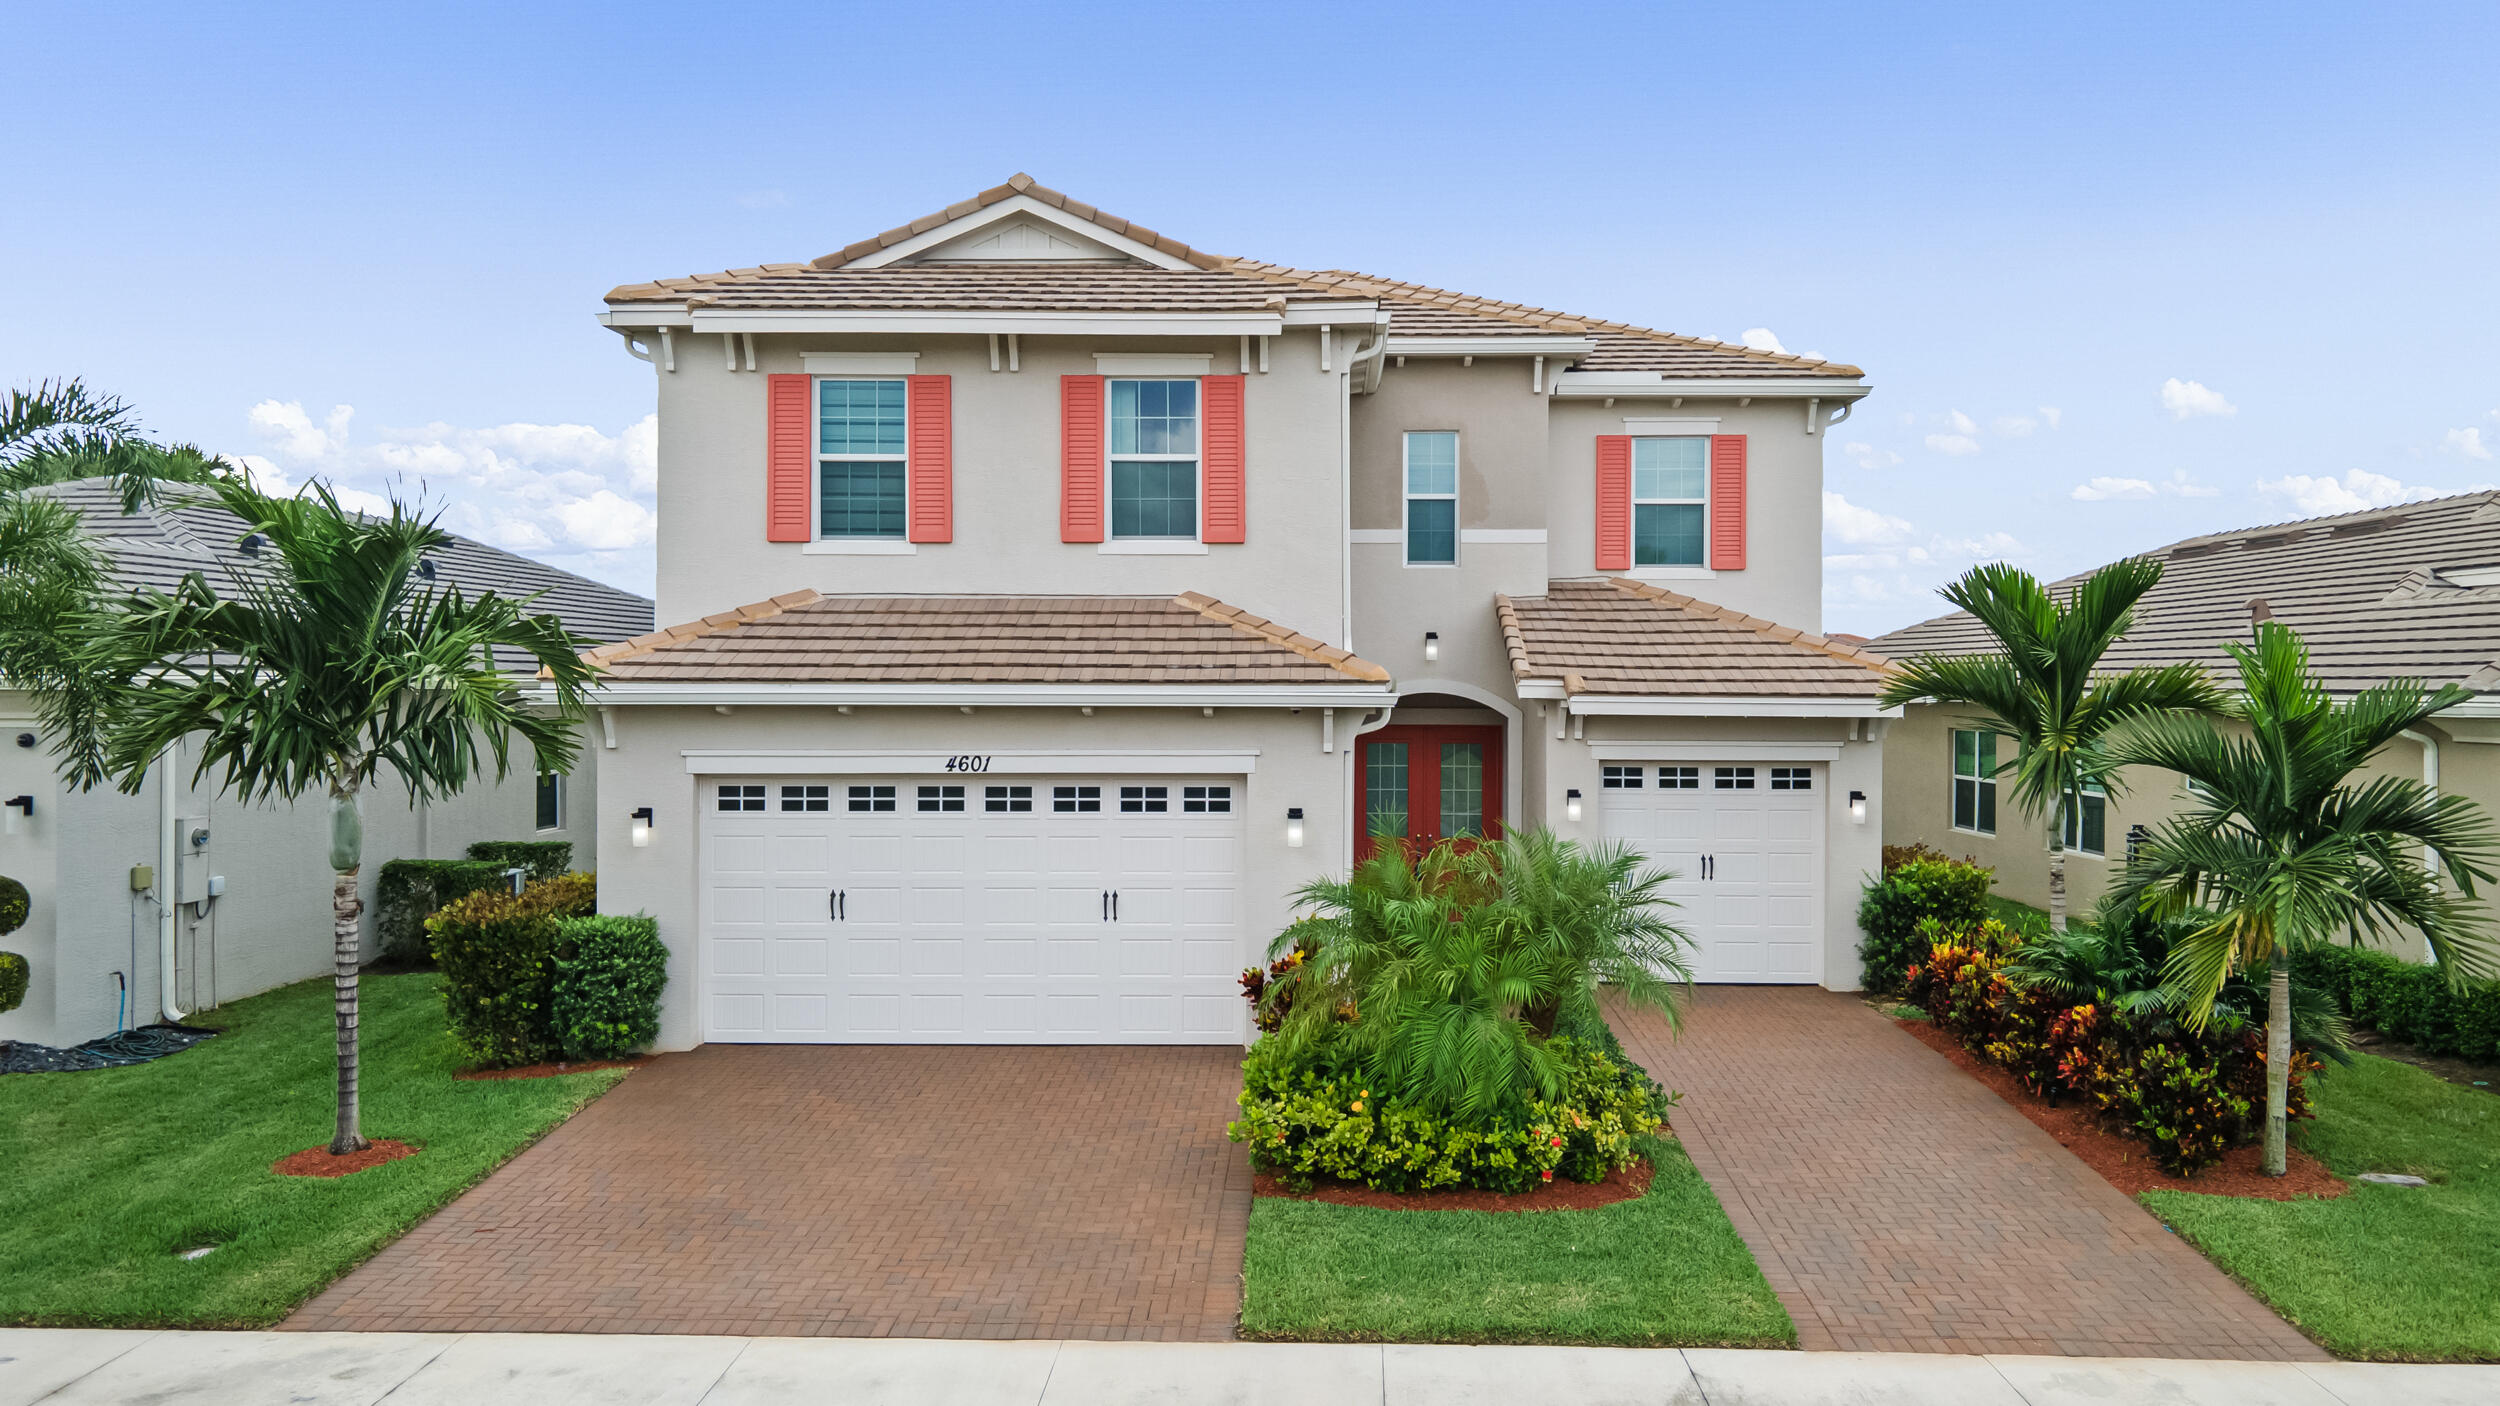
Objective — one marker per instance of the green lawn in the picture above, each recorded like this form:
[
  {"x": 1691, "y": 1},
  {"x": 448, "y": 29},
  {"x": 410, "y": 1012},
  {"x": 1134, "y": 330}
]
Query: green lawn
[
  {"x": 1665, "y": 1270},
  {"x": 2380, "y": 1272},
  {"x": 109, "y": 1173}
]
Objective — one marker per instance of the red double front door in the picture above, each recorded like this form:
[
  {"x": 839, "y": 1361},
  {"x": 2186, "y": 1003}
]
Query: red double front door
[{"x": 1424, "y": 784}]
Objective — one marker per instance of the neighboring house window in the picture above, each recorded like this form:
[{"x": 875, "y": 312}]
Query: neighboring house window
[
  {"x": 859, "y": 459},
  {"x": 1432, "y": 498},
  {"x": 550, "y": 800},
  {"x": 1154, "y": 459},
  {"x": 2087, "y": 821},
  {"x": 1974, "y": 781},
  {"x": 1670, "y": 500}
]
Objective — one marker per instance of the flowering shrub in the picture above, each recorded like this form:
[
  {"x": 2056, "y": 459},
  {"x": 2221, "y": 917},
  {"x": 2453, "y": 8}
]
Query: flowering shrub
[{"x": 1318, "y": 1117}]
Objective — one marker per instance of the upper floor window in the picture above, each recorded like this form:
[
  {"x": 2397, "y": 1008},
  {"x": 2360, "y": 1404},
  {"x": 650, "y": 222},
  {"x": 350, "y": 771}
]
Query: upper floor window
[
  {"x": 1975, "y": 781},
  {"x": 1431, "y": 497},
  {"x": 1670, "y": 500},
  {"x": 1154, "y": 459},
  {"x": 859, "y": 458}
]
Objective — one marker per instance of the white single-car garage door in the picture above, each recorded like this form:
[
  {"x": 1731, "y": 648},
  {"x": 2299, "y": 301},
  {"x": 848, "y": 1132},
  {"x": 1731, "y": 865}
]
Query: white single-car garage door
[
  {"x": 1745, "y": 843},
  {"x": 1020, "y": 910}
]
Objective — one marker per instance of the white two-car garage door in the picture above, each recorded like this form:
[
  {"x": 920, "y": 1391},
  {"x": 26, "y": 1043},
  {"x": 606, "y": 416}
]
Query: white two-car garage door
[
  {"x": 1020, "y": 910},
  {"x": 1745, "y": 844}
]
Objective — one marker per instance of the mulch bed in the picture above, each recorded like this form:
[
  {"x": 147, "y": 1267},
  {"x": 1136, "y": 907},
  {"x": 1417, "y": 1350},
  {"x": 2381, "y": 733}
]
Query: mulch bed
[
  {"x": 1558, "y": 1195},
  {"x": 317, "y": 1161},
  {"x": 2122, "y": 1161},
  {"x": 549, "y": 1071}
]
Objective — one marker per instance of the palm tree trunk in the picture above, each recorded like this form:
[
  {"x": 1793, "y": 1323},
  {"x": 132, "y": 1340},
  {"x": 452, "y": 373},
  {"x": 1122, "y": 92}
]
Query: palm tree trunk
[
  {"x": 2057, "y": 869},
  {"x": 346, "y": 858},
  {"x": 2278, "y": 1061}
]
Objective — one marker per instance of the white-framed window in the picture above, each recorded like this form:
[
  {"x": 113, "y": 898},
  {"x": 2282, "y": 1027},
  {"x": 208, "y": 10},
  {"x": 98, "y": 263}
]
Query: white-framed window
[
  {"x": 1975, "y": 781},
  {"x": 1432, "y": 497},
  {"x": 860, "y": 458},
  {"x": 1621, "y": 778},
  {"x": 870, "y": 799},
  {"x": 551, "y": 800},
  {"x": 741, "y": 797},
  {"x": 1731, "y": 778},
  {"x": 1670, "y": 500},
  {"x": 818, "y": 798},
  {"x": 1075, "y": 800},
  {"x": 941, "y": 798},
  {"x": 1679, "y": 778},
  {"x": 1154, "y": 459},
  {"x": 2087, "y": 820},
  {"x": 1792, "y": 778}
]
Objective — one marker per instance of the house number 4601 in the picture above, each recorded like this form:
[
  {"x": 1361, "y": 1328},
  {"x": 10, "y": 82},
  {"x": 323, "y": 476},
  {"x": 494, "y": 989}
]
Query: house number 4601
[{"x": 968, "y": 763}]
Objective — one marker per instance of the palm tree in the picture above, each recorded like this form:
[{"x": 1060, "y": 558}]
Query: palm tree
[
  {"x": 2289, "y": 848},
  {"x": 2043, "y": 686},
  {"x": 339, "y": 661},
  {"x": 59, "y": 430}
]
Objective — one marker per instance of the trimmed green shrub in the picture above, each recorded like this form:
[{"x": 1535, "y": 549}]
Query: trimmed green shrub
[
  {"x": 1316, "y": 1116},
  {"x": 544, "y": 859},
  {"x": 498, "y": 954},
  {"x": 410, "y": 891},
  {"x": 609, "y": 972},
  {"x": 14, "y": 976},
  {"x": 13, "y": 904},
  {"x": 2408, "y": 1001},
  {"x": 1951, "y": 893}
]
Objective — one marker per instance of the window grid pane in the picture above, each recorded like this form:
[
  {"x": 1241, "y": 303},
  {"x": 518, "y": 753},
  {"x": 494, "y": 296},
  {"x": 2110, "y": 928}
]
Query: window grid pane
[
  {"x": 1620, "y": 778},
  {"x": 1432, "y": 531},
  {"x": 1154, "y": 498},
  {"x": 1154, "y": 417},
  {"x": 1462, "y": 788},
  {"x": 859, "y": 417},
  {"x": 1792, "y": 778},
  {"x": 1666, "y": 534},
  {"x": 1431, "y": 463},
  {"x": 1207, "y": 800},
  {"x": 1135, "y": 800},
  {"x": 1384, "y": 788},
  {"x": 1732, "y": 778},
  {"x": 1679, "y": 778},
  {"x": 860, "y": 498},
  {"x": 870, "y": 798},
  {"x": 941, "y": 798},
  {"x": 742, "y": 798},
  {"x": 807, "y": 798},
  {"x": 1075, "y": 800}
]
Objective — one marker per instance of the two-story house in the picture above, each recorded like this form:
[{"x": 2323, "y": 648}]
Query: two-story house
[{"x": 1058, "y": 598}]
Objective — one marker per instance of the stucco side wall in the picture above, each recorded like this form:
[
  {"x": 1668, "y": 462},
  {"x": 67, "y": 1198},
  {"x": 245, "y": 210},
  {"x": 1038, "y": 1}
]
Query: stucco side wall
[
  {"x": 713, "y": 556},
  {"x": 1783, "y": 575},
  {"x": 647, "y": 767}
]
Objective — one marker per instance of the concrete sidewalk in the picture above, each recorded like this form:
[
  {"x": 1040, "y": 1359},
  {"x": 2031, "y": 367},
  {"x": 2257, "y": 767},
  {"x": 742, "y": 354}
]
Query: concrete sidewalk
[{"x": 72, "y": 1367}]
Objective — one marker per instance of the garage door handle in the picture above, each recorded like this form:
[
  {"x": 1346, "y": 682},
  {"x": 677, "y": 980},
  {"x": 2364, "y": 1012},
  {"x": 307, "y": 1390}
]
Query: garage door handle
[
  {"x": 837, "y": 903},
  {"x": 1115, "y": 905},
  {"x": 1106, "y": 905}
]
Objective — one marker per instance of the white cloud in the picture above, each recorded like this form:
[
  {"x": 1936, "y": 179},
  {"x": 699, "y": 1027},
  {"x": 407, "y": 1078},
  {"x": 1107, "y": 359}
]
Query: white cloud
[
  {"x": 2101, "y": 490},
  {"x": 1858, "y": 526},
  {"x": 2359, "y": 489},
  {"x": 1954, "y": 444},
  {"x": 288, "y": 430},
  {"x": 2468, "y": 442},
  {"x": 1761, "y": 339},
  {"x": 1962, "y": 424},
  {"x": 2013, "y": 426},
  {"x": 604, "y": 522},
  {"x": 1868, "y": 457},
  {"x": 2050, "y": 415},
  {"x": 2188, "y": 399}
]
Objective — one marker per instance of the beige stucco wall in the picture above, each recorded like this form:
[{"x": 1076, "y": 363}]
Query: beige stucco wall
[{"x": 648, "y": 767}]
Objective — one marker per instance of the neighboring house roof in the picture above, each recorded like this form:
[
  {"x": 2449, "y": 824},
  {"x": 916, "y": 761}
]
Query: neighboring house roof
[
  {"x": 1630, "y": 638},
  {"x": 2403, "y": 592},
  {"x": 1212, "y": 283},
  {"x": 804, "y": 637},
  {"x": 188, "y": 531}
]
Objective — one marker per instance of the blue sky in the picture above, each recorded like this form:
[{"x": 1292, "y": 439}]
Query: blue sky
[{"x": 2119, "y": 274}]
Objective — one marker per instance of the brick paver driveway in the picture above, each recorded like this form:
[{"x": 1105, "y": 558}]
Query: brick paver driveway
[
  {"x": 929, "y": 1191},
  {"x": 1897, "y": 1205}
]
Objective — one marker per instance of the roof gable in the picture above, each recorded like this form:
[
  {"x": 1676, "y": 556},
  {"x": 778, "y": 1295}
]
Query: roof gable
[{"x": 1038, "y": 206}]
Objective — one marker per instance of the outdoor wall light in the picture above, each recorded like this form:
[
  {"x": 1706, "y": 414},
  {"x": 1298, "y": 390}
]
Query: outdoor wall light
[
  {"x": 15, "y": 804},
  {"x": 642, "y": 827},
  {"x": 1293, "y": 828},
  {"x": 1432, "y": 646},
  {"x": 1571, "y": 806},
  {"x": 26, "y": 739},
  {"x": 1857, "y": 807}
]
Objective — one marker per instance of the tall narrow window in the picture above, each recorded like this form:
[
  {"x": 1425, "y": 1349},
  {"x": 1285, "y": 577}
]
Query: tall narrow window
[
  {"x": 2087, "y": 820},
  {"x": 859, "y": 459},
  {"x": 1431, "y": 497},
  {"x": 1384, "y": 788},
  {"x": 1670, "y": 500},
  {"x": 1154, "y": 459},
  {"x": 1974, "y": 781},
  {"x": 1462, "y": 789},
  {"x": 550, "y": 800}
]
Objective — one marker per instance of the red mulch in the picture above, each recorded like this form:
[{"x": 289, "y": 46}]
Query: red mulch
[
  {"x": 1558, "y": 1195},
  {"x": 317, "y": 1161},
  {"x": 2123, "y": 1161},
  {"x": 549, "y": 1071}
]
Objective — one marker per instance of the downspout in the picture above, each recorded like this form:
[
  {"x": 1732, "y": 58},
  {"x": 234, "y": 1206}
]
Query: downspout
[
  {"x": 2430, "y": 782},
  {"x": 1365, "y": 360},
  {"x": 168, "y": 767}
]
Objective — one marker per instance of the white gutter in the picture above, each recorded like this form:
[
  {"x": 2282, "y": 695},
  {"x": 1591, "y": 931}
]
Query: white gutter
[
  {"x": 1491, "y": 346},
  {"x": 168, "y": 769},
  {"x": 820, "y": 695},
  {"x": 1067, "y": 324},
  {"x": 1641, "y": 383},
  {"x": 1621, "y": 705}
]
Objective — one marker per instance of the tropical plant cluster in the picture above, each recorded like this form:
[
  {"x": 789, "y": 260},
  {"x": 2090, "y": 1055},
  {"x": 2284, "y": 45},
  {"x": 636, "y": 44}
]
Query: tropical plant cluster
[
  {"x": 1432, "y": 1022},
  {"x": 2082, "y": 1014},
  {"x": 409, "y": 891},
  {"x": 1918, "y": 898},
  {"x": 15, "y": 974},
  {"x": 541, "y": 859},
  {"x": 538, "y": 975},
  {"x": 2406, "y": 1001}
]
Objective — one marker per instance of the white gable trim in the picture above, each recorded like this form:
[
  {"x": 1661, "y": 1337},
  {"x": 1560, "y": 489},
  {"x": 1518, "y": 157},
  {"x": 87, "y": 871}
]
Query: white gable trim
[{"x": 1014, "y": 205}]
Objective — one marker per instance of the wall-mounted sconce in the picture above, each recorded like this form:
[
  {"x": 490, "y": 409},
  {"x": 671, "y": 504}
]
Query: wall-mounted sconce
[
  {"x": 1857, "y": 807},
  {"x": 26, "y": 739},
  {"x": 642, "y": 827},
  {"x": 15, "y": 804},
  {"x": 1293, "y": 828},
  {"x": 1571, "y": 806},
  {"x": 1432, "y": 646}
]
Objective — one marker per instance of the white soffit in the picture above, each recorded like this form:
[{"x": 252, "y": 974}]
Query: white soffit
[
  {"x": 1703, "y": 425},
  {"x": 1715, "y": 751},
  {"x": 860, "y": 363},
  {"x": 1028, "y": 762},
  {"x": 1154, "y": 363}
]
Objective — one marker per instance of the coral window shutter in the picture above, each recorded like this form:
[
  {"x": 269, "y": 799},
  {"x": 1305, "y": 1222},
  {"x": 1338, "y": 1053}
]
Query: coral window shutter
[
  {"x": 1614, "y": 502},
  {"x": 1227, "y": 445},
  {"x": 930, "y": 457},
  {"x": 1080, "y": 458},
  {"x": 1727, "y": 502},
  {"x": 788, "y": 448}
]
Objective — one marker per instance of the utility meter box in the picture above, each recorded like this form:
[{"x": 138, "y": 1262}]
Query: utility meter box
[{"x": 191, "y": 855}]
